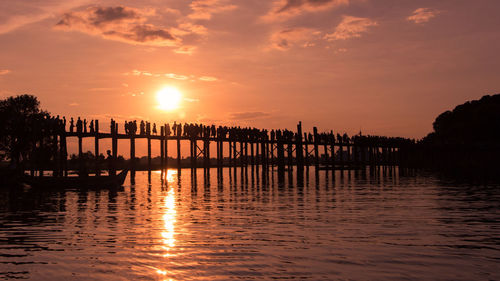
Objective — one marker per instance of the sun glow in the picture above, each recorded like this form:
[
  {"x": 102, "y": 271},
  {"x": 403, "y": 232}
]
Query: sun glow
[{"x": 169, "y": 98}]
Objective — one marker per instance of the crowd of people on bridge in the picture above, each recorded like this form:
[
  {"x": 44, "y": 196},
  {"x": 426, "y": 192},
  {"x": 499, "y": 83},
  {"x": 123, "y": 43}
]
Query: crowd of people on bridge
[{"x": 235, "y": 133}]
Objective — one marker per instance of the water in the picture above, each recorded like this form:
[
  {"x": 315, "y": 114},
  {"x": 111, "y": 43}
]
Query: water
[{"x": 355, "y": 226}]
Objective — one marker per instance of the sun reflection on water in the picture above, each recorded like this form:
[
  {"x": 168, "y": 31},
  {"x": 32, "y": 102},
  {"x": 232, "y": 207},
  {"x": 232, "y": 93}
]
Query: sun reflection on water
[
  {"x": 169, "y": 219},
  {"x": 171, "y": 176}
]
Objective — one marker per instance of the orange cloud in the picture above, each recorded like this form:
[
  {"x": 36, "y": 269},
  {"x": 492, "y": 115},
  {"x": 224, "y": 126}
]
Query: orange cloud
[
  {"x": 16, "y": 14},
  {"x": 248, "y": 115},
  {"x": 4, "y": 71},
  {"x": 285, "y": 39},
  {"x": 284, "y": 9},
  {"x": 204, "y": 9},
  {"x": 175, "y": 76},
  {"x": 118, "y": 23},
  {"x": 350, "y": 27},
  {"x": 422, "y": 15},
  {"x": 207, "y": 78},
  {"x": 186, "y": 50},
  {"x": 187, "y": 28}
]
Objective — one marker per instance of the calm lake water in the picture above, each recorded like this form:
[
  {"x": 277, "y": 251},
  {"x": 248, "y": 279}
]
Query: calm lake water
[{"x": 244, "y": 225}]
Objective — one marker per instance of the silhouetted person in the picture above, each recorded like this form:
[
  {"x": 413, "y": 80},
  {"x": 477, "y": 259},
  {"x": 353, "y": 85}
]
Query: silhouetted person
[
  {"x": 167, "y": 130},
  {"x": 109, "y": 160},
  {"x": 91, "y": 126},
  {"x": 71, "y": 125},
  {"x": 179, "y": 130},
  {"x": 154, "y": 129},
  {"x": 142, "y": 128},
  {"x": 85, "y": 125},
  {"x": 79, "y": 125}
]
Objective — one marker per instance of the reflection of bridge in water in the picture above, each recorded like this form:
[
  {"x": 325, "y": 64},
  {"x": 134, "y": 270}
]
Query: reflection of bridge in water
[{"x": 245, "y": 147}]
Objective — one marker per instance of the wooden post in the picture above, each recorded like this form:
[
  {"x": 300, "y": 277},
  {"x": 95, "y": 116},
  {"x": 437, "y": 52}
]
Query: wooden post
[
  {"x": 64, "y": 154},
  {"x": 80, "y": 149},
  {"x": 96, "y": 147},
  {"x": 252, "y": 154},
  {"x": 370, "y": 155},
  {"x": 257, "y": 154},
  {"x": 299, "y": 151},
  {"x": 80, "y": 154},
  {"x": 57, "y": 156},
  {"x": 316, "y": 151},
  {"x": 377, "y": 157},
  {"x": 266, "y": 144},
  {"x": 218, "y": 152},
  {"x": 341, "y": 153},
  {"x": 267, "y": 152},
  {"x": 393, "y": 154},
  {"x": 206, "y": 158},
  {"x": 162, "y": 147},
  {"x": 149, "y": 152},
  {"x": 348, "y": 146},
  {"x": 242, "y": 163},
  {"x": 132, "y": 153},
  {"x": 208, "y": 152},
  {"x": 165, "y": 145},
  {"x": 327, "y": 158},
  {"x": 221, "y": 143},
  {"x": 289, "y": 154},
  {"x": 178, "y": 151},
  {"x": 246, "y": 153},
  {"x": 272, "y": 152},
  {"x": 234, "y": 153},
  {"x": 193, "y": 153},
  {"x": 306, "y": 151},
  {"x": 280, "y": 155},
  {"x": 230, "y": 153},
  {"x": 355, "y": 153},
  {"x": 332, "y": 148},
  {"x": 114, "y": 150},
  {"x": 263, "y": 153}
]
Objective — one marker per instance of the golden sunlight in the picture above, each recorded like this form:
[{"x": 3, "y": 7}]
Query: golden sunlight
[
  {"x": 169, "y": 221},
  {"x": 169, "y": 98}
]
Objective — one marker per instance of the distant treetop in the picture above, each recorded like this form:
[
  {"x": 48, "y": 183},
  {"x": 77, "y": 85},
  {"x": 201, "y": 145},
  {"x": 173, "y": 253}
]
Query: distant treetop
[{"x": 474, "y": 122}]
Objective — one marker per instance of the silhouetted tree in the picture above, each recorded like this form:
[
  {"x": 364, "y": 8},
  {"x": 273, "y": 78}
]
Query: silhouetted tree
[
  {"x": 20, "y": 118},
  {"x": 474, "y": 122}
]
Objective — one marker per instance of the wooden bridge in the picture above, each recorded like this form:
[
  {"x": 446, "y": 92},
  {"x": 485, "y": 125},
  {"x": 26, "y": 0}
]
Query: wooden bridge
[{"x": 283, "y": 149}]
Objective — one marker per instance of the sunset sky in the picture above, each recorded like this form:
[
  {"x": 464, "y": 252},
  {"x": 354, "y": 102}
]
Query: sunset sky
[{"x": 386, "y": 67}]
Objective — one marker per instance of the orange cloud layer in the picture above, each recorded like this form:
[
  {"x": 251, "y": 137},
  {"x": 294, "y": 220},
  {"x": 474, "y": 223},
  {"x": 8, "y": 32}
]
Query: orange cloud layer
[
  {"x": 422, "y": 15},
  {"x": 350, "y": 27},
  {"x": 118, "y": 23}
]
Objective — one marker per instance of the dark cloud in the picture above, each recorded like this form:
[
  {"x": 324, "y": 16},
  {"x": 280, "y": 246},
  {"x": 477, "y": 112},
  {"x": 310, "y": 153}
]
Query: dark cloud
[
  {"x": 248, "y": 115},
  {"x": 118, "y": 23},
  {"x": 285, "y": 39},
  {"x": 103, "y": 15},
  {"x": 146, "y": 33},
  {"x": 295, "y": 4},
  {"x": 204, "y": 9},
  {"x": 284, "y": 9}
]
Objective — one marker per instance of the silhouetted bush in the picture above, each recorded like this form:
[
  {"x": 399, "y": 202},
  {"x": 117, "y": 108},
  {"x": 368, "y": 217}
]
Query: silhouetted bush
[{"x": 474, "y": 122}]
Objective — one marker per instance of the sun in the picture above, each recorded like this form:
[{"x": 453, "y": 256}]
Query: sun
[{"x": 169, "y": 98}]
